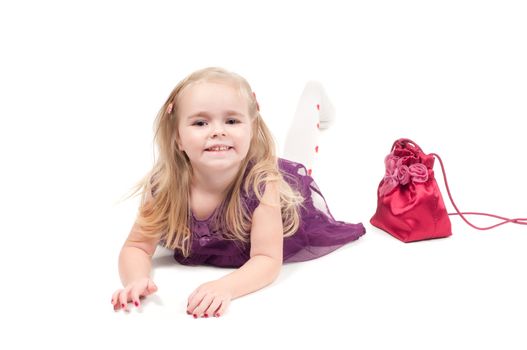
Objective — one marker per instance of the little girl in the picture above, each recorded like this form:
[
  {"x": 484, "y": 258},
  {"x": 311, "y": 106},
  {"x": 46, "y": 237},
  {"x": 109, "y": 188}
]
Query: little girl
[{"x": 218, "y": 195}]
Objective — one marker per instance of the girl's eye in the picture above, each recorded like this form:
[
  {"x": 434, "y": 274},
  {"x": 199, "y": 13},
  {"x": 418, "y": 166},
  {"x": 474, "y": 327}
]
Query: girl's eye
[{"x": 201, "y": 122}]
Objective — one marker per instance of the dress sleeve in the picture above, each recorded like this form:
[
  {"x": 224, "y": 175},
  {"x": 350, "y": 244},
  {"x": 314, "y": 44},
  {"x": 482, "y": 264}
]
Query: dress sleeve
[{"x": 250, "y": 201}]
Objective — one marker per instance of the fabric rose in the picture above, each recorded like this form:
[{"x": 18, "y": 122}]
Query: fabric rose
[
  {"x": 418, "y": 172},
  {"x": 403, "y": 174},
  {"x": 390, "y": 162},
  {"x": 398, "y": 173}
]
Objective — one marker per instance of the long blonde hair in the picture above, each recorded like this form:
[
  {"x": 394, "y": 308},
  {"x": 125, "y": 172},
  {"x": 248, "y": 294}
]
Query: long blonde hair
[{"x": 164, "y": 211}]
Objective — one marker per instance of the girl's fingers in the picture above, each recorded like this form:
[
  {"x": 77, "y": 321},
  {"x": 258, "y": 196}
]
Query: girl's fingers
[
  {"x": 211, "y": 310},
  {"x": 115, "y": 297},
  {"x": 223, "y": 307},
  {"x": 199, "y": 304},
  {"x": 123, "y": 298},
  {"x": 203, "y": 305},
  {"x": 193, "y": 302},
  {"x": 134, "y": 295},
  {"x": 116, "y": 300},
  {"x": 151, "y": 287},
  {"x": 191, "y": 296}
]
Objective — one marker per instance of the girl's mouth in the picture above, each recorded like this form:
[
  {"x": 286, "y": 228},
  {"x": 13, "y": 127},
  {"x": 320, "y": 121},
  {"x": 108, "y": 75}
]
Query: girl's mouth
[{"x": 219, "y": 149}]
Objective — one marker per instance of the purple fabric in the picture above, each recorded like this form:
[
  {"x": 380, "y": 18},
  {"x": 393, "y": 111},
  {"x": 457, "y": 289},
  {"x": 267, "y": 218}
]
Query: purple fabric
[{"x": 319, "y": 233}]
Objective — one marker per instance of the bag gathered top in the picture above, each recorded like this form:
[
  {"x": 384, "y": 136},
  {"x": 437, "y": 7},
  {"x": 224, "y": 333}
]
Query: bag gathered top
[{"x": 409, "y": 204}]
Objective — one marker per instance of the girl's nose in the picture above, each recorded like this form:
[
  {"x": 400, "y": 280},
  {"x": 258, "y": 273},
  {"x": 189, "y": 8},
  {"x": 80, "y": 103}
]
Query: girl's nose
[
  {"x": 214, "y": 134},
  {"x": 218, "y": 130}
]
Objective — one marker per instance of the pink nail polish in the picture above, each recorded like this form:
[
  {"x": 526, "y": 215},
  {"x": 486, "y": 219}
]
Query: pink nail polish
[
  {"x": 123, "y": 306},
  {"x": 217, "y": 314},
  {"x": 206, "y": 315},
  {"x": 195, "y": 316},
  {"x": 136, "y": 303}
]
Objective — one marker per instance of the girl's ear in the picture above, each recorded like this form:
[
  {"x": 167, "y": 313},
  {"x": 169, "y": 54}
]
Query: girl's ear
[
  {"x": 179, "y": 145},
  {"x": 170, "y": 107},
  {"x": 176, "y": 141}
]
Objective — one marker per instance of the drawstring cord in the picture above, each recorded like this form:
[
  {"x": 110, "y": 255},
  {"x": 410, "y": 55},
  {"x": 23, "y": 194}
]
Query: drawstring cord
[{"x": 519, "y": 221}]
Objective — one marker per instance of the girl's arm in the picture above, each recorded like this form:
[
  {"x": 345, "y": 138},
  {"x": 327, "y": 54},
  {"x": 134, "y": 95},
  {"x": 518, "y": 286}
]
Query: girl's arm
[
  {"x": 266, "y": 248},
  {"x": 135, "y": 264},
  {"x": 213, "y": 298},
  {"x": 135, "y": 259}
]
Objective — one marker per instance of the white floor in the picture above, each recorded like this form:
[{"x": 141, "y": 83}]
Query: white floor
[
  {"x": 466, "y": 291},
  {"x": 80, "y": 87}
]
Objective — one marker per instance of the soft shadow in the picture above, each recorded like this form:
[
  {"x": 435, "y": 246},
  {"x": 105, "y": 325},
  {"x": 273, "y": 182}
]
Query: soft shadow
[
  {"x": 152, "y": 299},
  {"x": 288, "y": 269},
  {"x": 165, "y": 260},
  {"x": 145, "y": 302}
]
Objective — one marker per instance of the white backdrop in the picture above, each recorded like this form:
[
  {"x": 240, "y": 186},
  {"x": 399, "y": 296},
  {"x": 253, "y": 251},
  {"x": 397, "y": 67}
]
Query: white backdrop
[{"x": 80, "y": 84}]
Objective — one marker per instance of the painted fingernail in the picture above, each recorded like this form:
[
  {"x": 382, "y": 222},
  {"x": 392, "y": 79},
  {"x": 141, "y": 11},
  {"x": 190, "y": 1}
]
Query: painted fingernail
[
  {"x": 318, "y": 107},
  {"x": 136, "y": 303},
  {"x": 217, "y": 314},
  {"x": 195, "y": 316},
  {"x": 206, "y": 315}
]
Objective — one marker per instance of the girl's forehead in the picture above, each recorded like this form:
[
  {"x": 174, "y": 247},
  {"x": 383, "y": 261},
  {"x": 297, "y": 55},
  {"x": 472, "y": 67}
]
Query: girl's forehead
[
  {"x": 213, "y": 86},
  {"x": 211, "y": 93}
]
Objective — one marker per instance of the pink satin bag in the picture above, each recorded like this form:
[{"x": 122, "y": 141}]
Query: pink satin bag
[{"x": 409, "y": 204}]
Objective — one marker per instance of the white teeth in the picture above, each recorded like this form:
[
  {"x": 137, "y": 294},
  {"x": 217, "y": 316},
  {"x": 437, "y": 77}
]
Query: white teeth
[{"x": 221, "y": 148}]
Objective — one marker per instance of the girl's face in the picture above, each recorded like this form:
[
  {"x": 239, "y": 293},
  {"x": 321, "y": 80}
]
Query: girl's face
[{"x": 213, "y": 114}]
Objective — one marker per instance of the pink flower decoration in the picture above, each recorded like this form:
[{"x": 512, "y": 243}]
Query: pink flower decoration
[
  {"x": 389, "y": 183},
  {"x": 398, "y": 173},
  {"x": 391, "y": 164},
  {"x": 419, "y": 172},
  {"x": 403, "y": 174}
]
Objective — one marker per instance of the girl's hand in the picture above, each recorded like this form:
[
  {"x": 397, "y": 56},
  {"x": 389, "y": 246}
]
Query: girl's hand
[
  {"x": 209, "y": 299},
  {"x": 132, "y": 292}
]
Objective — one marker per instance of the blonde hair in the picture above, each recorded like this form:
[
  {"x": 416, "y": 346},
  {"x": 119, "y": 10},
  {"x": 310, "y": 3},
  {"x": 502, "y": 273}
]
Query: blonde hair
[{"x": 164, "y": 211}]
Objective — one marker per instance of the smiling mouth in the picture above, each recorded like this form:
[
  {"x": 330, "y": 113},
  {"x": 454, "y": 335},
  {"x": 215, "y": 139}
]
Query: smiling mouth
[{"x": 218, "y": 149}]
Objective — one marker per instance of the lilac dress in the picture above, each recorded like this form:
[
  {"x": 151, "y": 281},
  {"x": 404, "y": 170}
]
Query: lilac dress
[{"x": 318, "y": 234}]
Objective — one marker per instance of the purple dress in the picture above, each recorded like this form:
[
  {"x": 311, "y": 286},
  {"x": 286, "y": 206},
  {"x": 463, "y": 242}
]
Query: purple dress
[{"x": 318, "y": 234}]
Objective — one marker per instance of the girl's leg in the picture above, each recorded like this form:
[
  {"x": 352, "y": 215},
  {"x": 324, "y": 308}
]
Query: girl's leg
[{"x": 314, "y": 113}]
